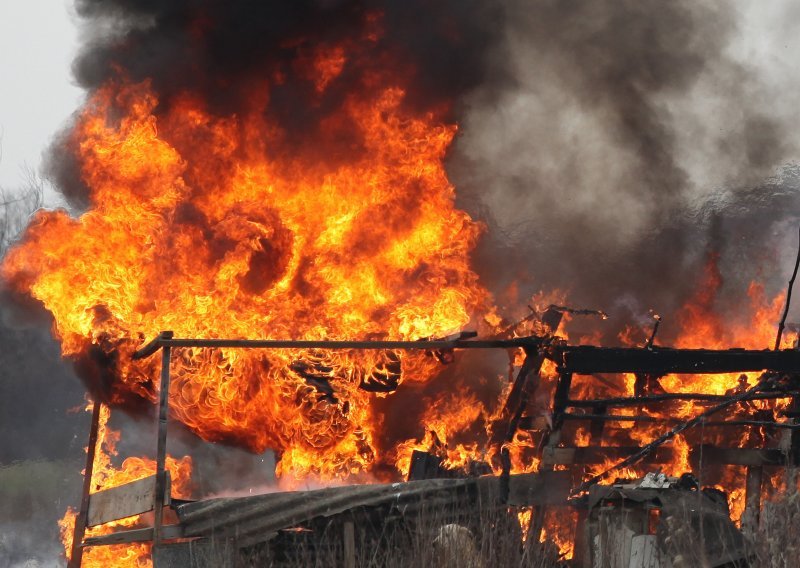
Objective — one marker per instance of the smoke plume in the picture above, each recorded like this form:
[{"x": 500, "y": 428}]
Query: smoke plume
[
  {"x": 635, "y": 138},
  {"x": 605, "y": 144}
]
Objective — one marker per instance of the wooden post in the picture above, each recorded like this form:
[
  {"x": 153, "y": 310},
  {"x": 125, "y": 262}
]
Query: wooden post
[
  {"x": 161, "y": 455},
  {"x": 560, "y": 398},
  {"x": 515, "y": 405},
  {"x": 349, "y": 545},
  {"x": 752, "y": 500},
  {"x": 581, "y": 538},
  {"x": 551, "y": 440},
  {"x": 76, "y": 556}
]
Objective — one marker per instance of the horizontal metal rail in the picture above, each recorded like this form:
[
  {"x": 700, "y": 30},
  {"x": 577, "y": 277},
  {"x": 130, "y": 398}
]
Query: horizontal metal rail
[
  {"x": 428, "y": 345},
  {"x": 577, "y": 359}
]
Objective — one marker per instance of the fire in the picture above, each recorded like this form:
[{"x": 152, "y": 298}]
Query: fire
[
  {"x": 442, "y": 419},
  {"x": 206, "y": 225},
  {"x": 221, "y": 225},
  {"x": 701, "y": 326},
  {"x": 105, "y": 476}
]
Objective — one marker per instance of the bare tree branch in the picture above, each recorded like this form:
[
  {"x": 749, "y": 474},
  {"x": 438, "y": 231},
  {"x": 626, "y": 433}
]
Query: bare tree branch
[{"x": 17, "y": 206}]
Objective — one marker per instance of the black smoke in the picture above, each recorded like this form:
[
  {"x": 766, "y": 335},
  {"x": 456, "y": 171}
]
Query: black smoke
[{"x": 228, "y": 53}]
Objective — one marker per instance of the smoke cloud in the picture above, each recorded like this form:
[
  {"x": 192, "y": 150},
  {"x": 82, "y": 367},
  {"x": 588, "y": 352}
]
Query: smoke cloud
[
  {"x": 636, "y": 137},
  {"x": 231, "y": 53},
  {"x": 605, "y": 144}
]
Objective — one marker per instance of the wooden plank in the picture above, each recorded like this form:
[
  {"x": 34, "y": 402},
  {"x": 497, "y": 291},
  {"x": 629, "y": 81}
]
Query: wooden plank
[
  {"x": 585, "y": 359},
  {"x": 738, "y": 456},
  {"x": 123, "y": 501},
  {"x": 536, "y": 489},
  {"x": 601, "y": 454},
  {"x": 134, "y": 535},
  {"x": 752, "y": 499},
  {"x": 349, "y": 545},
  {"x": 162, "y": 480}
]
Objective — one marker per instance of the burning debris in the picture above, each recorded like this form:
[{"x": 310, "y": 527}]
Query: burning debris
[
  {"x": 506, "y": 491},
  {"x": 269, "y": 183},
  {"x": 641, "y": 523}
]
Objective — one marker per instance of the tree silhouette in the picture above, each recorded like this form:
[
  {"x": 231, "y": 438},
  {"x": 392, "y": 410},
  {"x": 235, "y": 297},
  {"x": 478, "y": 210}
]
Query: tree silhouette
[{"x": 17, "y": 205}]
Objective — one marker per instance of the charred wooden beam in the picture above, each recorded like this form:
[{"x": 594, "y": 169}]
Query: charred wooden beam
[
  {"x": 752, "y": 506},
  {"x": 597, "y": 426},
  {"x": 654, "y": 399},
  {"x": 738, "y": 456},
  {"x": 426, "y": 345},
  {"x": 666, "y": 420},
  {"x": 586, "y": 359},
  {"x": 560, "y": 398},
  {"x": 601, "y": 454},
  {"x": 505, "y": 428},
  {"x": 578, "y": 359},
  {"x": 161, "y": 443}
]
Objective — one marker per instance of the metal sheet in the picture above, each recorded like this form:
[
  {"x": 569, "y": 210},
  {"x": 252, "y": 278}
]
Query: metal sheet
[
  {"x": 263, "y": 515},
  {"x": 194, "y": 554}
]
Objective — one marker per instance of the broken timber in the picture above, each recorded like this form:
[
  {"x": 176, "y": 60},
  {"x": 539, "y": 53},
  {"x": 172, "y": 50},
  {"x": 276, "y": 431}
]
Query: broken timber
[{"x": 133, "y": 498}]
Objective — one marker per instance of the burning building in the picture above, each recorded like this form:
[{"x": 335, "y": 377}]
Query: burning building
[{"x": 269, "y": 183}]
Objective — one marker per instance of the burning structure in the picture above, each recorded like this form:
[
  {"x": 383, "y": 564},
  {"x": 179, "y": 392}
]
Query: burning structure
[
  {"x": 234, "y": 526},
  {"x": 269, "y": 183}
]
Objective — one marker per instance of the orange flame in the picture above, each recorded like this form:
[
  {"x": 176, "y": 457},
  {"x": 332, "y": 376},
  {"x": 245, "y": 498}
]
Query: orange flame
[
  {"x": 106, "y": 476},
  {"x": 202, "y": 225}
]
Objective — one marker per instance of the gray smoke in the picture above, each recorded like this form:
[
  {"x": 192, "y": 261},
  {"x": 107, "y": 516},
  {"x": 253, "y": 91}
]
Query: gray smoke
[{"x": 637, "y": 137}]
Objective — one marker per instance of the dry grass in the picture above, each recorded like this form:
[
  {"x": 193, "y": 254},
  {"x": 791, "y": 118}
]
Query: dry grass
[
  {"x": 433, "y": 538},
  {"x": 688, "y": 536},
  {"x": 776, "y": 542}
]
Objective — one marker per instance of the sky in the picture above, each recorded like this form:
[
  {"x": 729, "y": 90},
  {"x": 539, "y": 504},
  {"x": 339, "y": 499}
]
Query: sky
[{"x": 38, "y": 41}]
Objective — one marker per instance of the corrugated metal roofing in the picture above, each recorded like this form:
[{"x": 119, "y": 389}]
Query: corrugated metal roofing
[{"x": 262, "y": 516}]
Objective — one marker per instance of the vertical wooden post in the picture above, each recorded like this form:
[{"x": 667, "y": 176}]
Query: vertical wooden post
[
  {"x": 581, "y": 555},
  {"x": 794, "y": 434},
  {"x": 793, "y": 459},
  {"x": 76, "y": 555},
  {"x": 349, "y": 545},
  {"x": 560, "y": 400},
  {"x": 516, "y": 404},
  {"x": 161, "y": 452},
  {"x": 752, "y": 499}
]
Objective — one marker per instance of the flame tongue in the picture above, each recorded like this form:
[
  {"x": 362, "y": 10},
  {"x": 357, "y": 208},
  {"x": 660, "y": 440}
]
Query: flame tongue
[{"x": 204, "y": 225}]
